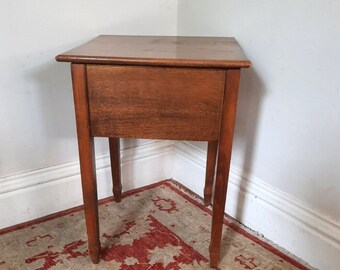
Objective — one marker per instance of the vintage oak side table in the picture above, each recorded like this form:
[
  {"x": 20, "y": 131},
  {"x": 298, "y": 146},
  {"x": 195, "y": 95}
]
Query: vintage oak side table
[{"x": 178, "y": 88}]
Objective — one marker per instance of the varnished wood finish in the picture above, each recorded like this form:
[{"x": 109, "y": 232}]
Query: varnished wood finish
[
  {"x": 210, "y": 171},
  {"x": 155, "y": 103},
  {"x": 223, "y": 163},
  {"x": 220, "y": 52},
  {"x": 87, "y": 159},
  {"x": 115, "y": 168},
  {"x": 181, "y": 88}
]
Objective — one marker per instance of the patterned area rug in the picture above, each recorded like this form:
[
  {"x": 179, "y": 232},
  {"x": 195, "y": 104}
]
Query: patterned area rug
[{"x": 162, "y": 226}]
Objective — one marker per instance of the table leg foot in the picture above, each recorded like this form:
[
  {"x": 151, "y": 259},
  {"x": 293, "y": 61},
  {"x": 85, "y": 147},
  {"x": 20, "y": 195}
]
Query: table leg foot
[
  {"x": 206, "y": 201},
  {"x": 117, "y": 195},
  {"x": 94, "y": 253},
  {"x": 214, "y": 259}
]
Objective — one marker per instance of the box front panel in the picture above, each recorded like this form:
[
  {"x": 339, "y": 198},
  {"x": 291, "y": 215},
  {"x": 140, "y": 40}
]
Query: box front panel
[{"x": 155, "y": 102}]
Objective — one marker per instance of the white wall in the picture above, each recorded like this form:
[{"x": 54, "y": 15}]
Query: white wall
[
  {"x": 288, "y": 125},
  {"x": 36, "y": 104}
]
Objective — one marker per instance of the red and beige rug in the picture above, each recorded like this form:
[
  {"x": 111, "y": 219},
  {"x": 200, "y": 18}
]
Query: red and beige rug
[{"x": 162, "y": 226}]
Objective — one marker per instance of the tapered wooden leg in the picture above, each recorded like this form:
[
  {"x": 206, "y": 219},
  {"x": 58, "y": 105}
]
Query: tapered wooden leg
[
  {"x": 87, "y": 159},
  {"x": 115, "y": 168},
  {"x": 223, "y": 163},
  {"x": 210, "y": 171}
]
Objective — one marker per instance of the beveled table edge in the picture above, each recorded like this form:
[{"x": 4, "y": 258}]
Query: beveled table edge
[{"x": 171, "y": 62}]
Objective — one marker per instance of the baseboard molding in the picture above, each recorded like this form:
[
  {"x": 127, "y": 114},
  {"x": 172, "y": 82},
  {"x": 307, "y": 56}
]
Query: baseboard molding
[
  {"x": 286, "y": 221},
  {"x": 36, "y": 193}
]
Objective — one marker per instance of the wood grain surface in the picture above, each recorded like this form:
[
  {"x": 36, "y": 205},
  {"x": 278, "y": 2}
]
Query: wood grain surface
[
  {"x": 223, "y": 162},
  {"x": 220, "y": 52},
  {"x": 155, "y": 103},
  {"x": 114, "y": 144},
  {"x": 180, "y": 88},
  {"x": 210, "y": 171},
  {"x": 87, "y": 159}
]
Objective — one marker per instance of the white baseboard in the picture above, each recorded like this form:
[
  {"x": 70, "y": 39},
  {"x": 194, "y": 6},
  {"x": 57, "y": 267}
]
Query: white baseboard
[
  {"x": 37, "y": 193},
  {"x": 293, "y": 225}
]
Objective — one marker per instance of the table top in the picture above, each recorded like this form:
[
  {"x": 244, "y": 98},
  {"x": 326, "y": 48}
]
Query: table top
[{"x": 215, "y": 52}]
